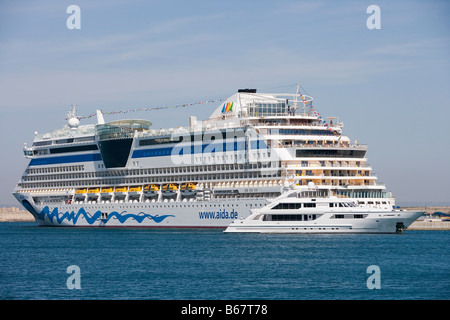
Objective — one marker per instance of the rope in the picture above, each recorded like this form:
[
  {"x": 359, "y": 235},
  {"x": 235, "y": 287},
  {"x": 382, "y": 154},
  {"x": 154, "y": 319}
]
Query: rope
[{"x": 152, "y": 108}]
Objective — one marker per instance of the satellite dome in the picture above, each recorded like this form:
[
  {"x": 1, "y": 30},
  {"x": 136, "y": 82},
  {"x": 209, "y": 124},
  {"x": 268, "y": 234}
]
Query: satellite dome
[{"x": 73, "y": 122}]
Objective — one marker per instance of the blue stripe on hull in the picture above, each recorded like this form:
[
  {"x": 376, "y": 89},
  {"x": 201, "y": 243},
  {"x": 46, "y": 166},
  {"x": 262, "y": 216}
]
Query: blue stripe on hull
[
  {"x": 155, "y": 152},
  {"x": 193, "y": 149},
  {"x": 66, "y": 159}
]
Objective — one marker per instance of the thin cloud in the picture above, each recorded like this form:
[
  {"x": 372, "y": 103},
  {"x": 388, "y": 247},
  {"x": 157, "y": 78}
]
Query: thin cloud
[{"x": 418, "y": 47}]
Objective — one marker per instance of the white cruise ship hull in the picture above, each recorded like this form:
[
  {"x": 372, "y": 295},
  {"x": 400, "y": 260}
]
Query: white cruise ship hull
[
  {"x": 375, "y": 222},
  {"x": 177, "y": 214}
]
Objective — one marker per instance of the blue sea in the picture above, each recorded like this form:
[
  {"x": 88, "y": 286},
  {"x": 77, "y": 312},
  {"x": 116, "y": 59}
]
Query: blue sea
[{"x": 207, "y": 264}]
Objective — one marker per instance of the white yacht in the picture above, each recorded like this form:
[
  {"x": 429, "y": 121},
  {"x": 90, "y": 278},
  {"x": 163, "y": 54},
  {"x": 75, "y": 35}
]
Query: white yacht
[
  {"x": 123, "y": 173},
  {"x": 310, "y": 210}
]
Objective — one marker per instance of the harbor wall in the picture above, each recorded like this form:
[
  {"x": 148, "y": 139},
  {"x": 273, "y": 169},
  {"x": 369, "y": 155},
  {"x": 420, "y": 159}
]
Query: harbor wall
[
  {"x": 423, "y": 224},
  {"x": 429, "y": 225}
]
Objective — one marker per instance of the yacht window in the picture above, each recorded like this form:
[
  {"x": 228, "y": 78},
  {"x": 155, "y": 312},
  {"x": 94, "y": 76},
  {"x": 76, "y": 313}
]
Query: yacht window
[
  {"x": 346, "y": 204},
  {"x": 285, "y": 217},
  {"x": 282, "y": 206}
]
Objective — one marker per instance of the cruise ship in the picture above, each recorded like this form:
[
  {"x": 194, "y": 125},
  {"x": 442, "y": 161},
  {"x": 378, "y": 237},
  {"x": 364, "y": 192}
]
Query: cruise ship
[{"x": 124, "y": 173}]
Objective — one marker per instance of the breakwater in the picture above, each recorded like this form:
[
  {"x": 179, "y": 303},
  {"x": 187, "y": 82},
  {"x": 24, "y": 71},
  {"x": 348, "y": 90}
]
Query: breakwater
[{"x": 424, "y": 223}]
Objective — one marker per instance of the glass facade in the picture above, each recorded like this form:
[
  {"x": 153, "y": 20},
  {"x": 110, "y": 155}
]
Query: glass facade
[{"x": 267, "y": 109}]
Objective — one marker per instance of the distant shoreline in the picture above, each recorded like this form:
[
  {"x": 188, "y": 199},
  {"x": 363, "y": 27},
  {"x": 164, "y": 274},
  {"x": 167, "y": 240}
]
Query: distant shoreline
[{"x": 16, "y": 216}]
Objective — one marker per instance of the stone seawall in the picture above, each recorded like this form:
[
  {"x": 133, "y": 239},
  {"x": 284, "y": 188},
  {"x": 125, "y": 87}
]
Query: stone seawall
[
  {"x": 429, "y": 225},
  {"x": 422, "y": 224}
]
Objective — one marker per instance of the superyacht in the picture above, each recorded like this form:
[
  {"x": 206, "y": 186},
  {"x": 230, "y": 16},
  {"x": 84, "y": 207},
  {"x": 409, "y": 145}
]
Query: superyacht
[
  {"x": 209, "y": 173},
  {"x": 309, "y": 210}
]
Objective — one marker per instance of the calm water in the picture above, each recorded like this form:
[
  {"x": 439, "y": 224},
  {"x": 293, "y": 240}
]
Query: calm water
[{"x": 208, "y": 264}]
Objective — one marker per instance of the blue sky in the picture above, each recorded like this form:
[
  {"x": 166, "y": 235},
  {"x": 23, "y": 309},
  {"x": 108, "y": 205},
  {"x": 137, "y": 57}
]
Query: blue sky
[{"x": 390, "y": 87}]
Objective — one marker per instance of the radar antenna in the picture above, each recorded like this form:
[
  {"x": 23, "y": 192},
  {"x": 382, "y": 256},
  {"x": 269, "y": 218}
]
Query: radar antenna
[{"x": 72, "y": 121}]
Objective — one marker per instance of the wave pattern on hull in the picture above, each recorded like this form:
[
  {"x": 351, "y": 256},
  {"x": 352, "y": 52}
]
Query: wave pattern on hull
[{"x": 55, "y": 217}]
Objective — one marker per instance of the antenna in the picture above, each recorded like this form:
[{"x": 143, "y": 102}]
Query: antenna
[
  {"x": 73, "y": 122},
  {"x": 71, "y": 113},
  {"x": 296, "y": 96}
]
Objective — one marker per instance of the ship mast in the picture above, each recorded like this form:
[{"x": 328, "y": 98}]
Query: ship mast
[
  {"x": 296, "y": 96},
  {"x": 71, "y": 113},
  {"x": 297, "y": 93}
]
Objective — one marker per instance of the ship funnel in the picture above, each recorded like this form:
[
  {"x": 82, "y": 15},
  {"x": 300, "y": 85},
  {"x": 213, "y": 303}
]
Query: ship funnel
[{"x": 100, "y": 119}]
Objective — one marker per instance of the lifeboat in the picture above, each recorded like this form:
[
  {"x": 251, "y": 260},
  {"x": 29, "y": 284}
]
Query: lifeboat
[
  {"x": 135, "y": 189},
  {"x": 107, "y": 190},
  {"x": 120, "y": 189},
  {"x": 151, "y": 190},
  {"x": 188, "y": 189},
  {"x": 169, "y": 189},
  {"x": 80, "y": 191},
  {"x": 94, "y": 190}
]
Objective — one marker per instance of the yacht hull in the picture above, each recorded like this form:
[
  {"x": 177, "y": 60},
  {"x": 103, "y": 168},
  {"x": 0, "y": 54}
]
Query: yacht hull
[{"x": 375, "y": 222}]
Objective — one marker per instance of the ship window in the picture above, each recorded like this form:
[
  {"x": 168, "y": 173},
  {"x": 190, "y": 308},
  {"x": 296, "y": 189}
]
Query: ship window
[
  {"x": 339, "y": 216},
  {"x": 303, "y": 132},
  {"x": 300, "y": 153},
  {"x": 282, "y": 206},
  {"x": 309, "y": 205},
  {"x": 42, "y": 143},
  {"x": 267, "y": 109},
  {"x": 40, "y": 152},
  {"x": 286, "y": 217},
  {"x": 70, "y": 140},
  {"x": 74, "y": 149},
  {"x": 85, "y": 139}
]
